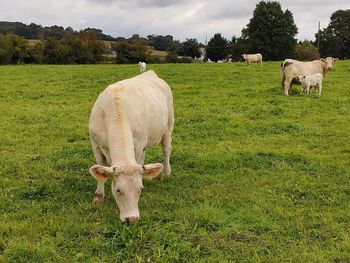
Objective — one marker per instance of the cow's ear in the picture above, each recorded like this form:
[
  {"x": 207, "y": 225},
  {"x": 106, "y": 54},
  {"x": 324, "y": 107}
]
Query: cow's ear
[
  {"x": 151, "y": 171},
  {"x": 335, "y": 59},
  {"x": 322, "y": 59},
  {"x": 101, "y": 173}
]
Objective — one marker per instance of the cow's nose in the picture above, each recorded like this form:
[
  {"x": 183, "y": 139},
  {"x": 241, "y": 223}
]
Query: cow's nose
[{"x": 132, "y": 218}]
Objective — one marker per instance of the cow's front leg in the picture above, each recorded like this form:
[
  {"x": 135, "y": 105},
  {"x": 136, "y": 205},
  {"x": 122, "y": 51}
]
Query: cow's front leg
[
  {"x": 100, "y": 190},
  {"x": 99, "y": 194},
  {"x": 308, "y": 90}
]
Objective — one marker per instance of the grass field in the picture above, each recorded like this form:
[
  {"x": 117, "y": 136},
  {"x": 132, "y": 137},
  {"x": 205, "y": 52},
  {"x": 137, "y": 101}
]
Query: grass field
[{"x": 257, "y": 176}]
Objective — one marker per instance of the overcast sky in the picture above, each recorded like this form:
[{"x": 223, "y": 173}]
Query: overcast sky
[{"x": 179, "y": 18}]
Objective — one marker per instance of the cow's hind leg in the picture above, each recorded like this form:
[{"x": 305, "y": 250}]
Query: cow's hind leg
[
  {"x": 166, "y": 147},
  {"x": 100, "y": 190},
  {"x": 140, "y": 156},
  {"x": 287, "y": 86},
  {"x": 319, "y": 88}
]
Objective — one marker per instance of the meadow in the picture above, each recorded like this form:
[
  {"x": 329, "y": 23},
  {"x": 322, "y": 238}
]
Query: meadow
[{"x": 257, "y": 176}]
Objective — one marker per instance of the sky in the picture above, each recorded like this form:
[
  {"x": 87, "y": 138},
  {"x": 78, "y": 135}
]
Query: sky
[{"x": 180, "y": 18}]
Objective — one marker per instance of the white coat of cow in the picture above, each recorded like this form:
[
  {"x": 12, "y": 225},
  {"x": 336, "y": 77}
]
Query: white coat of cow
[
  {"x": 252, "y": 58},
  {"x": 142, "y": 66},
  {"x": 291, "y": 69},
  {"x": 128, "y": 118},
  {"x": 308, "y": 82}
]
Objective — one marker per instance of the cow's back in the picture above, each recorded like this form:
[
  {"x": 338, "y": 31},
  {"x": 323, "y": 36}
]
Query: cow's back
[
  {"x": 293, "y": 68},
  {"x": 145, "y": 102}
]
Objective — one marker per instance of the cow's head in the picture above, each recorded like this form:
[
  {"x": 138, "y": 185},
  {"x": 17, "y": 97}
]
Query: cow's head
[
  {"x": 126, "y": 185},
  {"x": 329, "y": 62}
]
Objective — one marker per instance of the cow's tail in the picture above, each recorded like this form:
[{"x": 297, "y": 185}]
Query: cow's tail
[{"x": 284, "y": 64}]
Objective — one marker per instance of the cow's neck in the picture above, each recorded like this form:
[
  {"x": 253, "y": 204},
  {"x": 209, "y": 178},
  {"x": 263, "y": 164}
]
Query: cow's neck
[{"x": 120, "y": 139}]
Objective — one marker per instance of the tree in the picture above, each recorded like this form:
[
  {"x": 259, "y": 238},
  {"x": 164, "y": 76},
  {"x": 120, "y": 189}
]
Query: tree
[
  {"x": 335, "y": 39},
  {"x": 36, "y": 54},
  {"x": 55, "y": 52},
  {"x": 237, "y": 47},
  {"x": 162, "y": 42},
  {"x": 271, "y": 31},
  {"x": 5, "y": 55},
  {"x": 13, "y": 49},
  {"x": 18, "y": 48},
  {"x": 176, "y": 48},
  {"x": 306, "y": 51},
  {"x": 217, "y": 47},
  {"x": 191, "y": 48},
  {"x": 130, "y": 53}
]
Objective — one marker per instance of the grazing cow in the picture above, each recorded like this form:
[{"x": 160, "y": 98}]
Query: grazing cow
[
  {"x": 252, "y": 58},
  {"x": 128, "y": 118},
  {"x": 291, "y": 69},
  {"x": 308, "y": 82},
  {"x": 142, "y": 66}
]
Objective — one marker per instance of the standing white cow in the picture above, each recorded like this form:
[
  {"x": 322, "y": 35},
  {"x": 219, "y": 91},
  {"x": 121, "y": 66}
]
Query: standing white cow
[
  {"x": 252, "y": 58},
  {"x": 127, "y": 118},
  {"x": 291, "y": 69},
  {"x": 142, "y": 66},
  {"x": 308, "y": 82}
]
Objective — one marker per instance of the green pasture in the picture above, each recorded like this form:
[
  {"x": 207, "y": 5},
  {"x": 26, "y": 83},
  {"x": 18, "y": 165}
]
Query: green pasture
[{"x": 257, "y": 176}]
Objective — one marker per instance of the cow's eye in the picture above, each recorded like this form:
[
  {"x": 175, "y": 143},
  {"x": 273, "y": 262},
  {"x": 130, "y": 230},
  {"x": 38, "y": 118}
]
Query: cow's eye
[{"x": 117, "y": 190}]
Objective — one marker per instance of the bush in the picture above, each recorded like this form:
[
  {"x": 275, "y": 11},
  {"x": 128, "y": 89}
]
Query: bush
[
  {"x": 13, "y": 49},
  {"x": 306, "y": 51},
  {"x": 128, "y": 53}
]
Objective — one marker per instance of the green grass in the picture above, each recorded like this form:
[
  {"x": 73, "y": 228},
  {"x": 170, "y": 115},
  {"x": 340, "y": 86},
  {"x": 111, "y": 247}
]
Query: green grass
[{"x": 257, "y": 176}]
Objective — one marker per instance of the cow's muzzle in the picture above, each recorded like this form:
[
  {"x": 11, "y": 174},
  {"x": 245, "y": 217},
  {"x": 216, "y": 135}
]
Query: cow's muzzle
[{"x": 132, "y": 219}]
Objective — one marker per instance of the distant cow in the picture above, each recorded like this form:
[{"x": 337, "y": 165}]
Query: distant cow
[
  {"x": 252, "y": 58},
  {"x": 142, "y": 66},
  {"x": 128, "y": 118},
  {"x": 307, "y": 82},
  {"x": 291, "y": 69}
]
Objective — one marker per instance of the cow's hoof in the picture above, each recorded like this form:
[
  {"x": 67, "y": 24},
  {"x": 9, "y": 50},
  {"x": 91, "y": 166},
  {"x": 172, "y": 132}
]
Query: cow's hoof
[{"x": 98, "y": 199}]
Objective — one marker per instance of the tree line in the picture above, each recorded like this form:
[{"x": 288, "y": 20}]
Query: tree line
[
  {"x": 83, "y": 48},
  {"x": 271, "y": 31},
  {"x": 34, "y": 31}
]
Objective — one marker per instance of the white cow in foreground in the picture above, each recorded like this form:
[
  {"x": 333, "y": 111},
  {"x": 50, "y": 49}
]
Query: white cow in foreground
[
  {"x": 127, "y": 118},
  {"x": 252, "y": 58},
  {"x": 142, "y": 66},
  {"x": 308, "y": 82},
  {"x": 291, "y": 69}
]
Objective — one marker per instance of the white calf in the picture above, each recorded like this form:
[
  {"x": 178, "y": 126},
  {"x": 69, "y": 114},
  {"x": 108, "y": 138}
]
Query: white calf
[{"x": 310, "y": 81}]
